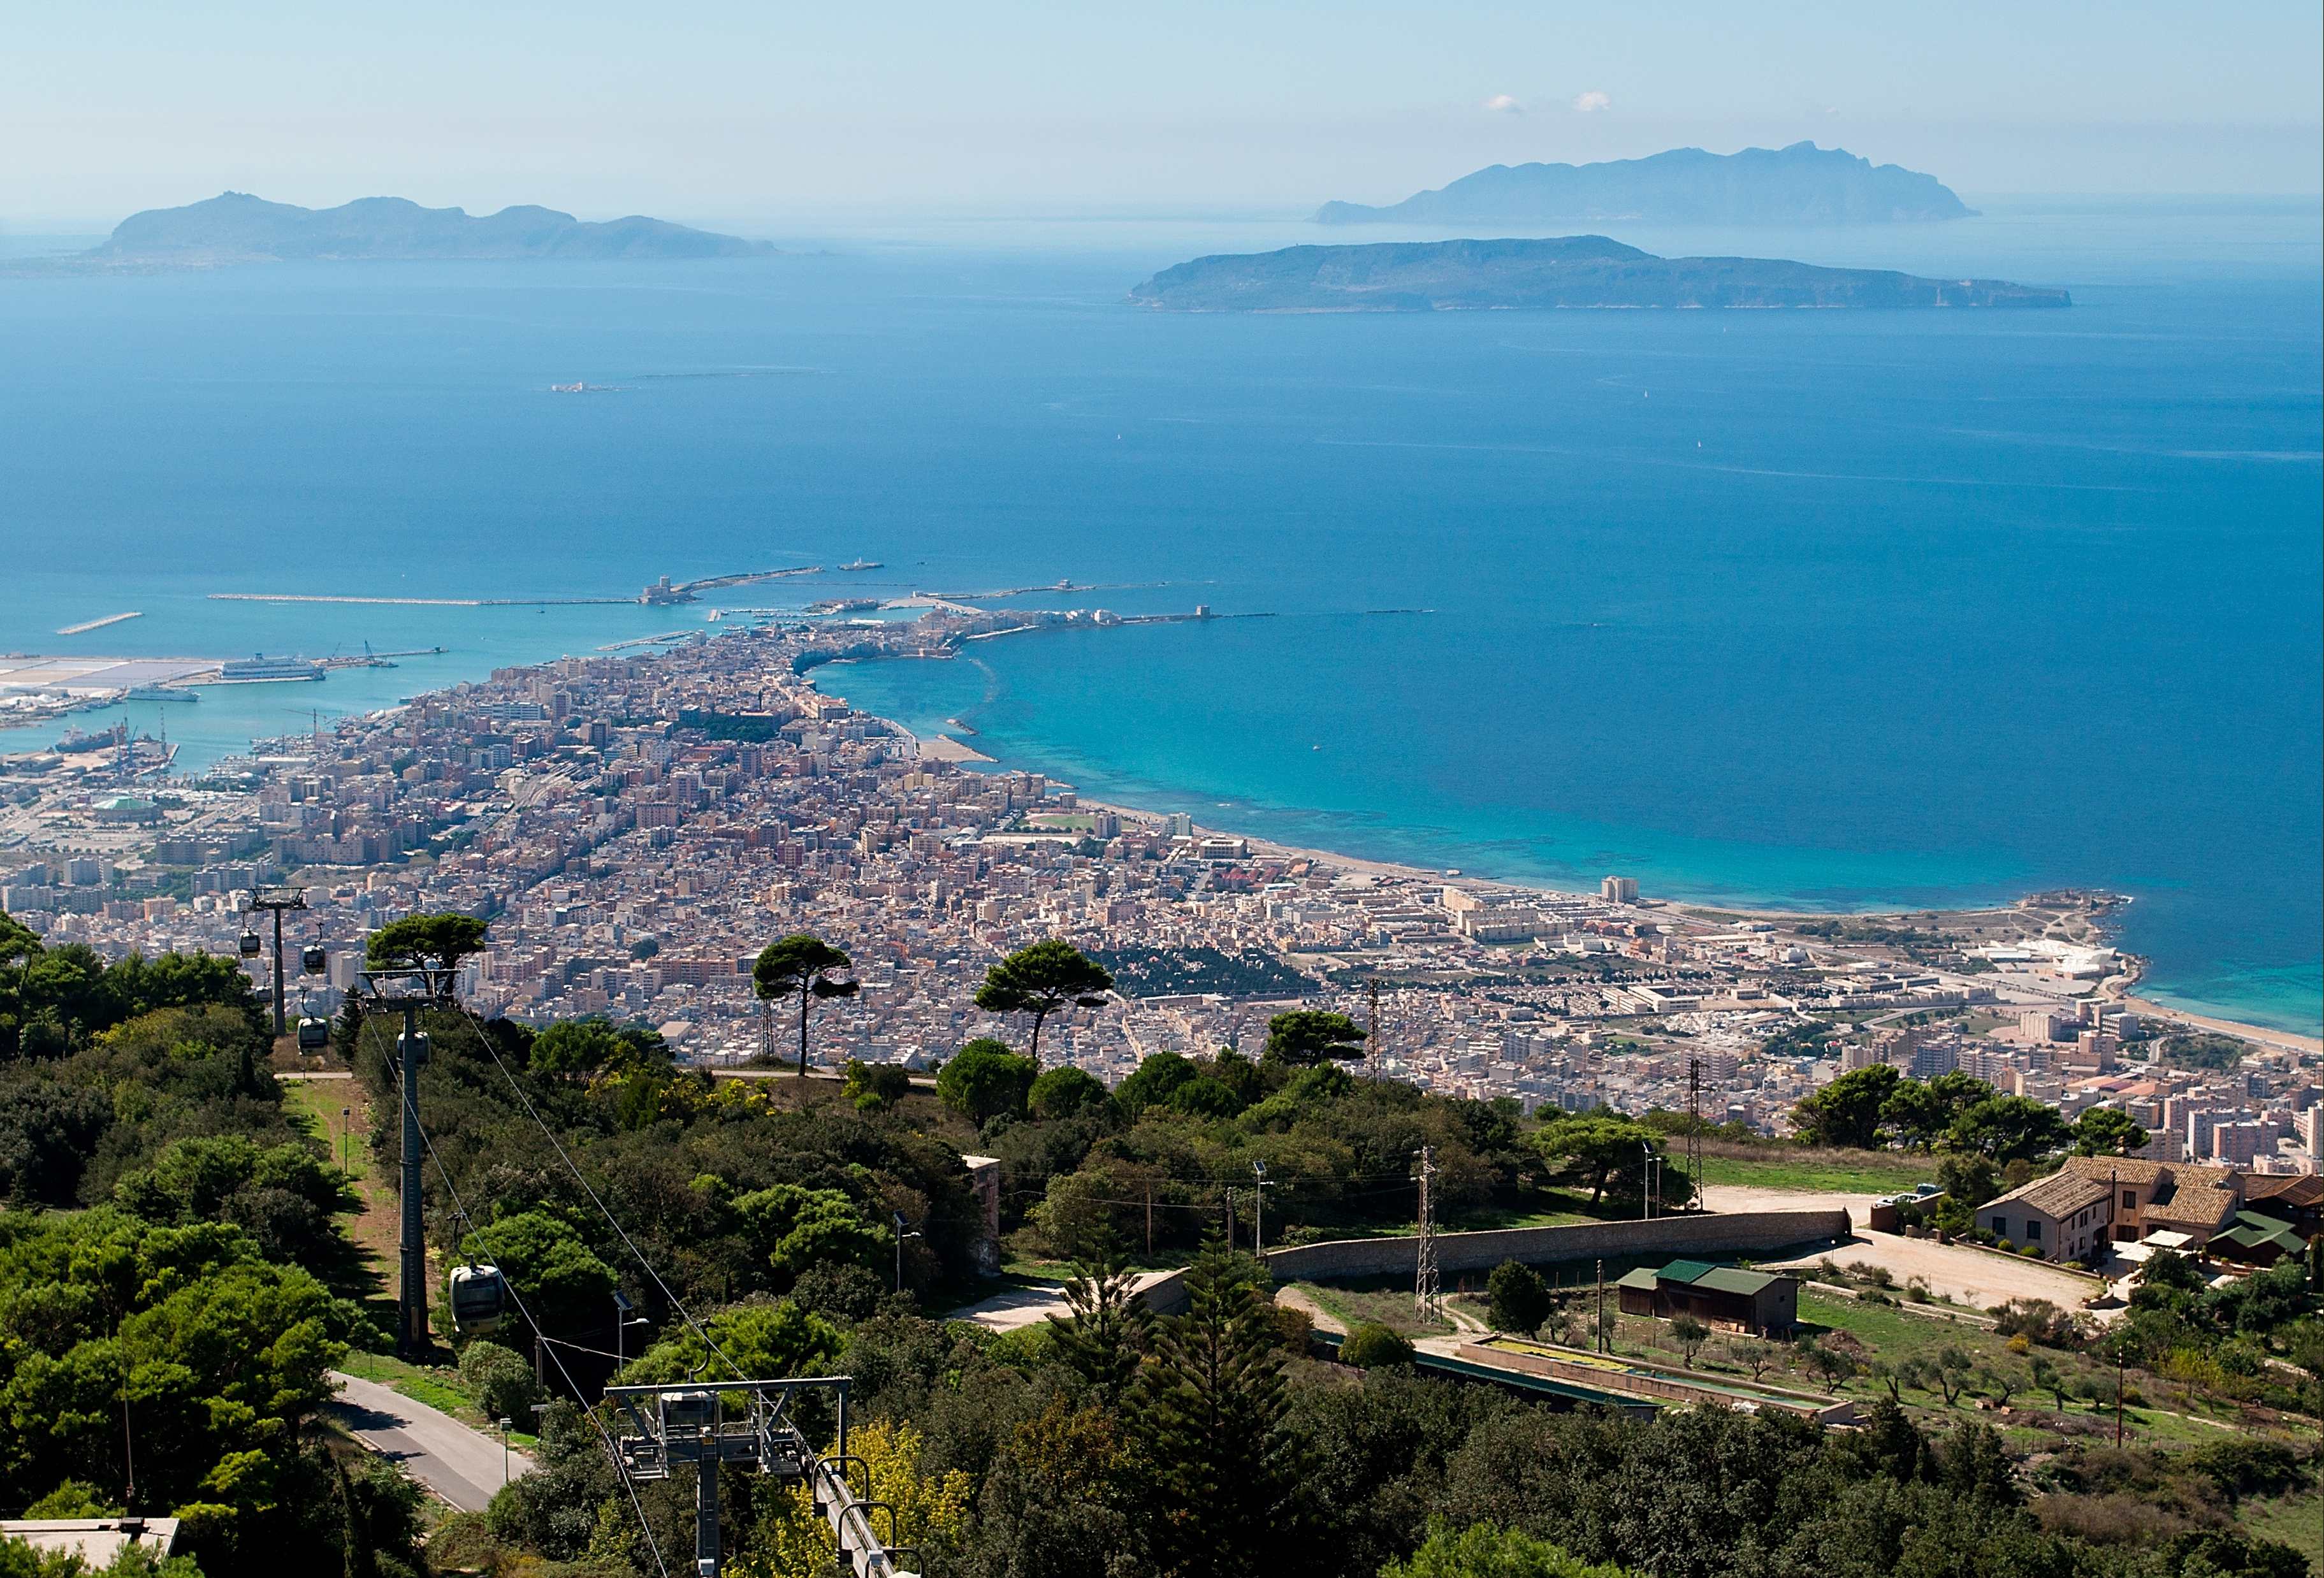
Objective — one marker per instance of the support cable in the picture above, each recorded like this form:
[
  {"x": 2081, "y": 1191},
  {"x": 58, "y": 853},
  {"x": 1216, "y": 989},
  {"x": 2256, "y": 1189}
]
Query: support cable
[
  {"x": 627, "y": 1242},
  {"x": 509, "y": 1286}
]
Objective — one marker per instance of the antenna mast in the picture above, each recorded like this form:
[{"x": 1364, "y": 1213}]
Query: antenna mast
[
  {"x": 1371, "y": 1034},
  {"x": 1694, "y": 1133},
  {"x": 1427, "y": 1301}
]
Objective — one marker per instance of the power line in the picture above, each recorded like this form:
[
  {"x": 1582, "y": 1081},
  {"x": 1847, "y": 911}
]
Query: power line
[
  {"x": 627, "y": 1242},
  {"x": 509, "y": 1285}
]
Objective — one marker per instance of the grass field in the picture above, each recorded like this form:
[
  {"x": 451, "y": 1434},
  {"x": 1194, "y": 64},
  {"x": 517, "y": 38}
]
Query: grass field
[
  {"x": 1839, "y": 1172},
  {"x": 1389, "y": 1305}
]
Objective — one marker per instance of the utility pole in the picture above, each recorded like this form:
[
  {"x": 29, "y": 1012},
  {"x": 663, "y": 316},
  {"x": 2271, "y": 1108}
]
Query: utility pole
[
  {"x": 409, "y": 991},
  {"x": 1259, "y": 1212},
  {"x": 1428, "y": 1302},
  {"x": 1647, "y": 1182},
  {"x": 1597, "y": 1327},
  {"x": 278, "y": 900},
  {"x": 1372, "y": 1033},
  {"x": 1149, "y": 1220},
  {"x": 1694, "y": 1133}
]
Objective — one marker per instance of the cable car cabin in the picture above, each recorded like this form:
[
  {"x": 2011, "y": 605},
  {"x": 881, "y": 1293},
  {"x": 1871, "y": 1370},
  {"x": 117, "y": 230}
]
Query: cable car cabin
[
  {"x": 313, "y": 961},
  {"x": 251, "y": 945},
  {"x": 688, "y": 1413},
  {"x": 479, "y": 1299},
  {"x": 314, "y": 1035}
]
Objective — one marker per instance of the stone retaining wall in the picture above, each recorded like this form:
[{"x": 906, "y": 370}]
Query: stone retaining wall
[{"x": 1720, "y": 1236}]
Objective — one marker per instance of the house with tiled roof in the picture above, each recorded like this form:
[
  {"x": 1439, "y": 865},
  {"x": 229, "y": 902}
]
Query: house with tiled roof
[
  {"x": 2151, "y": 1196},
  {"x": 2064, "y": 1216},
  {"x": 2204, "y": 1202}
]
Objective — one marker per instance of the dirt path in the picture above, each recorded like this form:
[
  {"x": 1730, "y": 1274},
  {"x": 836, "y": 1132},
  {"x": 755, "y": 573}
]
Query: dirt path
[
  {"x": 342, "y": 1107},
  {"x": 1972, "y": 1276},
  {"x": 1322, "y": 1319}
]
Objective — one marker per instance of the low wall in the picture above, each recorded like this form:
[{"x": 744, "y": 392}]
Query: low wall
[{"x": 1742, "y": 1233}]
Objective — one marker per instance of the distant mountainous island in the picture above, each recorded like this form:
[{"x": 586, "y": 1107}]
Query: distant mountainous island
[
  {"x": 1572, "y": 272},
  {"x": 236, "y": 227},
  {"x": 1799, "y": 185}
]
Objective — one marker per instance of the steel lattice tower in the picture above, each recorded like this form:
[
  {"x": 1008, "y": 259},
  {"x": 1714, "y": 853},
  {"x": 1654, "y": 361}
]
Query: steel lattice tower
[{"x": 1426, "y": 1299}]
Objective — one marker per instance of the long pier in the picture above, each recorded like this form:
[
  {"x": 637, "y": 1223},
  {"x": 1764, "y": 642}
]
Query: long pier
[
  {"x": 100, "y": 624},
  {"x": 417, "y": 602}
]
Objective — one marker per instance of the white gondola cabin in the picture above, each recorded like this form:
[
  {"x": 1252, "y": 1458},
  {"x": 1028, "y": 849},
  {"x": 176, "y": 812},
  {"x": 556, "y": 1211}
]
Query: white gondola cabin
[{"x": 480, "y": 1299}]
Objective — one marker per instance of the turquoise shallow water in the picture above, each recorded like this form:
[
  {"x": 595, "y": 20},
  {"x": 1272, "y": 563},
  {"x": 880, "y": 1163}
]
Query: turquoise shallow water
[{"x": 1836, "y": 610}]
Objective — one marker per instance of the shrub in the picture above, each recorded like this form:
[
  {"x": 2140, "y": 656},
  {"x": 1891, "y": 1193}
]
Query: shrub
[
  {"x": 1373, "y": 1346},
  {"x": 1520, "y": 1300},
  {"x": 875, "y": 1087},
  {"x": 500, "y": 1380}
]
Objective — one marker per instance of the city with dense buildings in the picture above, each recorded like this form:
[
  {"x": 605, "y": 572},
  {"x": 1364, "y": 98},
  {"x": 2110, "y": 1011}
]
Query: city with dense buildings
[{"x": 636, "y": 827}]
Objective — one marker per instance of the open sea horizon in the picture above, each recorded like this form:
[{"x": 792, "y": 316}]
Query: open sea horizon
[{"x": 1839, "y": 611}]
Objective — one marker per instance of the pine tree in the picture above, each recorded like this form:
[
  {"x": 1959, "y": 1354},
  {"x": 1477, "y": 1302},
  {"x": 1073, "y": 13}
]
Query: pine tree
[
  {"x": 1109, "y": 1329},
  {"x": 1209, "y": 1409}
]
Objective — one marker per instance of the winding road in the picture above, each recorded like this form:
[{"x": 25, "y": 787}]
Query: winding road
[{"x": 463, "y": 1466}]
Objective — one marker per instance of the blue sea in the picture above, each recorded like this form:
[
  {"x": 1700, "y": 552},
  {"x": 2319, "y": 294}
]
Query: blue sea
[{"x": 1840, "y": 610}]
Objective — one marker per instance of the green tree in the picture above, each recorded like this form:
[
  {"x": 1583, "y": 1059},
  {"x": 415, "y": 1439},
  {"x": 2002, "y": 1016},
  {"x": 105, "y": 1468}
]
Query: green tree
[
  {"x": 762, "y": 1341},
  {"x": 283, "y": 1195},
  {"x": 2010, "y": 1129},
  {"x": 801, "y": 962},
  {"x": 2108, "y": 1131},
  {"x": 1969, "y": 1180},
  {"x": 418, "y": 941},
  {"x": 573, "y": 1048},
  {"x": 1846, "y": 1113},
  {"x": 875, "y": 1087},
  {"x": 1520, "y": 1299},
  {"x": 1061, "y": 1092},
  {"x": 1921, "y": 1111},
  {"x": 1601, "y": 1150},
  {"x": 1307, "y": 1037},
  {"x": 1105, "y": 1338},
  {"x": 791, "y": 1229},
  {"x": 1211, "y": 1414},
  {"x": 1158, "y": 1078},
  {"x": 562, "y": 1282},
  {"x": 1041, "y": 979},
  {"x": 1689, "y": 1335},
  {"x": 985, "y": 1079},
  {"x": 1483, "y": 1551}
]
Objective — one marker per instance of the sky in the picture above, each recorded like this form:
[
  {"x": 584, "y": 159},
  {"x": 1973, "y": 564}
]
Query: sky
[{"x": 755, "y": 115}]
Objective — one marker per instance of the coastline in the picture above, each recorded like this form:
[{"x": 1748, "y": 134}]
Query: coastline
[{"x": 948, "y": 749}]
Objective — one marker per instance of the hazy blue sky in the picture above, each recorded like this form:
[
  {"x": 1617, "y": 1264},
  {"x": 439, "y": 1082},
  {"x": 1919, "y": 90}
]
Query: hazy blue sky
[{"x": 760, "y": 114}]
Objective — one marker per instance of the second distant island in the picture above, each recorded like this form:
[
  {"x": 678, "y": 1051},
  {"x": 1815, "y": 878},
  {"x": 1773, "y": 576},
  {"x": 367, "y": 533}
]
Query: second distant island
[
  {"x": 1563, "y": 272},
  {"x": 236, "y": 227}
]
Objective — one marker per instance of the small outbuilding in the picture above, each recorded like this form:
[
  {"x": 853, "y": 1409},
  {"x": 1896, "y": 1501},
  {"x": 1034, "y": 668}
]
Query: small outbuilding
[{"x": 1723, "y": 1298}]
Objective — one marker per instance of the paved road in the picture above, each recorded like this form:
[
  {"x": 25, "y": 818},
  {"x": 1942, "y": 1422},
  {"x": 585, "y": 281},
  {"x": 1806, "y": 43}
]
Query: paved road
[{"x": 461, "y": 1465}]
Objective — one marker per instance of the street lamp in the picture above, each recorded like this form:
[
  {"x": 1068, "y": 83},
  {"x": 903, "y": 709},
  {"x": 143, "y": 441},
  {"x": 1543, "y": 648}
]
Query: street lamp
[
  {"x": 623, "y": 1308},
  {"x": 900, "y": 1236},
  {"x": 1259, "y": 1213}
]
